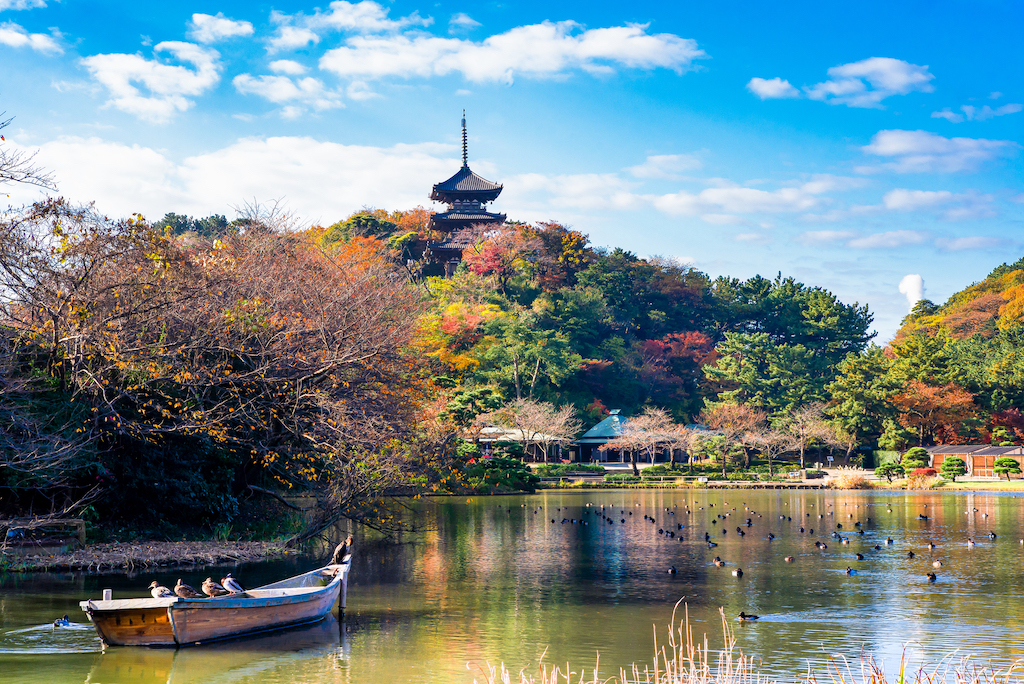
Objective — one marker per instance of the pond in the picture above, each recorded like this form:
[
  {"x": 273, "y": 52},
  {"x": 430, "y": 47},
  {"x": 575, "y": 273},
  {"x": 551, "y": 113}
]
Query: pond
[{"x": 494, "y": 579}]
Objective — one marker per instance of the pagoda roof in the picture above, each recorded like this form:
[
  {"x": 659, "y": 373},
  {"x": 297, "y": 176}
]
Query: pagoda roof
[
  {"x": 466, "y": 185},
  {"x": 459, "y": 218}
]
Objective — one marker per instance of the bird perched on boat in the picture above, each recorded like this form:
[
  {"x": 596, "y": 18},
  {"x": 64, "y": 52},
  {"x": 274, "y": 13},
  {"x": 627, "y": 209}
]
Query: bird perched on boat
[
  {"x": 185, "y": 591},
  {"x": 160, "y": 591},
  {"x": 738, "y": 572},
  {"x": 213, "y": 589},
  {"x": 62, "y": 622},
  {"x": 931, "y": 576},
  {"x": 744, "y": 616},
  {"x": 231, "y": 584},
  {"x": 343, "y": 549}
]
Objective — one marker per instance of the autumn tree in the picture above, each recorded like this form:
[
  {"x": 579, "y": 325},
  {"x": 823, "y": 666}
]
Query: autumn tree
[
  {"x": 540, "y": 424},
  {"x": 935, "y": 413},
  {"x": 644, "y": 434},
  {"x": 733, "y": 422}
]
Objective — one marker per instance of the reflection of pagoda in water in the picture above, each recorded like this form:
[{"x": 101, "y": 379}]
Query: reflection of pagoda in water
[{"x": 466, "y": 195}]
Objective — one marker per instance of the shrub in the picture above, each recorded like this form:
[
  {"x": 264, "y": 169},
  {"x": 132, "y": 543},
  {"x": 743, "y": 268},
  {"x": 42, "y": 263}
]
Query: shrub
[
  {"x": 915, "y": 458},
  {"x": 815, "y": 474},
  {"x": 889, "y": 471},
  {"x": 621, "y": 478},
  {"x": 1005, "y": 465},
  {"x": 492, "y": 475},
  {"x": 924, "y": 472},
  {"x": 953, "y": 466},
  {"x": 922, "y": 481},
  {"x": 563, "y": 469},
  {"x": 849, "y": 478}
]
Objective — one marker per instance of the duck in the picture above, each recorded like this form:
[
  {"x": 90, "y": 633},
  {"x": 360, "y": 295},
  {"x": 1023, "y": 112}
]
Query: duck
[
  {"x": 719, "y": 563},
  {"x": 213, "y": 589},
  {"x": 160, "y": 591},
  {"x": 849, "y": 570},
  {"x": 789, "y": 559},
  {"x": 743, "y": 616},
  {"x": 860, "y": 556},
  {"x": 888, "y": 541},
  {"x": 992, "y": 535},
  {"x": 738, "y": 572},
  {"x": 931, "y": 576},
  {"x": 185, "y": 591},
  {"x": 62, "y": 622},
  {"x": 937, "y": 564},
  {"x": 910, "y": 554},
  {"x": 931, "y": 545},
  {"x": 970, "y": 542},
  {"x": 343, "y": 549},
  {"x": 672, "y": 570}
]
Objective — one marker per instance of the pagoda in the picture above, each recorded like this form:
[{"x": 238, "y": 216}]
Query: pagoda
[{"x": 466, "y": 195}]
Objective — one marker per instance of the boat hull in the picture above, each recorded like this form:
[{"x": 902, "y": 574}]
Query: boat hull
[{"x": 179, "y": 622}]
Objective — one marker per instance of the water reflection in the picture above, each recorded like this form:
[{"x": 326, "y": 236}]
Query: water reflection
[{"x": 494, "y": 579}]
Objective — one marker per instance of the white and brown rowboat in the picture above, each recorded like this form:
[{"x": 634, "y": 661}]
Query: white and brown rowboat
[{"x": 179, "y": 621}]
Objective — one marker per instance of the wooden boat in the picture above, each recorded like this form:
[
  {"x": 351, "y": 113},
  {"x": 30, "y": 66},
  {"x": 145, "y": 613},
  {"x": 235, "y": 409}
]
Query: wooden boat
[{"x": 176, "y": 621}]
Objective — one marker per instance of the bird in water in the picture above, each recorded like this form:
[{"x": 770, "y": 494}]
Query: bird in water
[
  {"x": 931, "y": 576},
  {"x": 888, "y": 541},
  {"x": 849, "y": 570},
  {"x": 931, "y": 546},
  {"x": 343, "y": 549},
  {"x": 738, "y": 572},
  {"x": 860, "y": 556},
  {"x": 719, "y": 563},
  {"x": 160, "y": 591},
  {"x": 992, "y": 535},
  {"x": 937, "y": 564},
  {"x": 62, "y": 622},
  {"x": 232, "y": 585},
  {"x": 744, "y": 616},
  {"x": 789, "y": 559},
  {"x": 672, "y": 570},
  {"x": 213, "y": 589},
  {"x": 185, "y": 591},
  {"x": 970, "y": 542},
  {"x": 910, "y": 554}
]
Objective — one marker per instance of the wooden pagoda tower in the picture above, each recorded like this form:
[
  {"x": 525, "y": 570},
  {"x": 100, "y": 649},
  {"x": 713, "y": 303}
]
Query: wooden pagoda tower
[{"x": 467, "y": 196}]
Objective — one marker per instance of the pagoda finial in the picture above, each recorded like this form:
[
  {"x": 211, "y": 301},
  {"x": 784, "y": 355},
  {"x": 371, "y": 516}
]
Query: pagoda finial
[{"x": 465, "y": 156}]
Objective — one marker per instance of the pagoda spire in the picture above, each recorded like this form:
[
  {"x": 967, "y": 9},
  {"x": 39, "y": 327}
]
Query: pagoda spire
[{"x": 465, "y": 154}]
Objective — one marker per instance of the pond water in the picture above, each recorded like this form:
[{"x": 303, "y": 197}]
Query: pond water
[{"x": 493, "y": 579}]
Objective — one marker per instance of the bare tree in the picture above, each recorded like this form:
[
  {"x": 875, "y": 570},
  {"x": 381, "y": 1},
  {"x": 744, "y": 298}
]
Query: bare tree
[
  {"x": 18, "y": 166},
  {"x": 771, "y": 443},
  {"x": 807, "y": 426},
  {"x": 643, "y": 434},
  {"x": 733, "y": 422},
  {"x": 540, "y": 424},
  {"x": 683, "y": 439}
]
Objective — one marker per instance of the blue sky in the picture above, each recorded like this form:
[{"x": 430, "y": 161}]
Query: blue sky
[{"x": 873, "y": 149}]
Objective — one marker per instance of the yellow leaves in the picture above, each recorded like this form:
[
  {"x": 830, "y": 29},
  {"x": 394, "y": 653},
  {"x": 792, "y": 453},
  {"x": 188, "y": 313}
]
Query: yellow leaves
[{"x": 1011, "y": 314}]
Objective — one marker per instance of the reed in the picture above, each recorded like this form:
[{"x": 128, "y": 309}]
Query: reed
[
  {"x": 682, "y": 659},
  {"x": 849, "y": 478}
]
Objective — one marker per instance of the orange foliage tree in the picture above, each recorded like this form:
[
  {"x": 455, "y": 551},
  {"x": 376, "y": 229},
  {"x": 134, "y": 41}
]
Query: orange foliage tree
[{"x": 941, "y": 414}]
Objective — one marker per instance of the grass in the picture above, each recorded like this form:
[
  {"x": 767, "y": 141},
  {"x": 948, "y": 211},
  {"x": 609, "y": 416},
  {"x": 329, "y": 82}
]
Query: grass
[
  {"x": 849, "y": 477},
  {"x": 685, "y": 660}
]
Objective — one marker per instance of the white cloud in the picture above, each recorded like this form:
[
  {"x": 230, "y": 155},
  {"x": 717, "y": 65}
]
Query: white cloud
[
  {"x": 124, "y": 179},
  {"x": 462, "y": 22},
  {"x": 972, "y": 113},
  {"x": 974, "y": 242},
  {"x": 588, "y": 191},
  {"x": 287, "y": 66},
  {"x": 889, "y": 239},
  {"x": 723, "y": 219},
  {"x": 364, "y": 17},
  {"x": 21, "y": 4},
  {"x": 912, "y": 287},
  {"x": 743, "y": 200},
  {"x": 823, "y": 237},
  {"x": 13, "y": 35},
  {"x": 539, "y": 50},
  {"x": 912, "y": 200},
  {"x": 284, "y": 90},
  {"x": 169, "y": 85},
  {"x": 753, "y": 238},
  {"x": 667, "y": 166},
  {"x": 209, "y": 29},
  {"x": 995, "y": 95},
  {"x": 292, "y": 38},
  {"x": 867, "y": 82},
  {"x": 772, "y": 88},
  {"x": 925, "y": 152}
]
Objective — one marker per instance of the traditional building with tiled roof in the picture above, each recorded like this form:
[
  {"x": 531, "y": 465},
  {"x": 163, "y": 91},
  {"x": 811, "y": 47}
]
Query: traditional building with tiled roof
[{"x": 466, "y": 195}]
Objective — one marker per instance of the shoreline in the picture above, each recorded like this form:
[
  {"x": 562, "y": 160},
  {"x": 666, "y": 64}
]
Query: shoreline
[{"x": 124, "y": 556}]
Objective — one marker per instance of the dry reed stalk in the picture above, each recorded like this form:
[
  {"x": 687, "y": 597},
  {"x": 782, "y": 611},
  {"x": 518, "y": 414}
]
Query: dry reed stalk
[{"x": 849, "y": 478}]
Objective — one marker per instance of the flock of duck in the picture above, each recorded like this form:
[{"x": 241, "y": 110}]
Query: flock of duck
[
  {"x": 671, "y": 529},
  {"x": 228, "y": 585}
]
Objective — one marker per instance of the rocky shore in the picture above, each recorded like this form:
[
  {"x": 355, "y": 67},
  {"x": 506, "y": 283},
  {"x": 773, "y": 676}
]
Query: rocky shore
[{"x": 122, "y": 556}]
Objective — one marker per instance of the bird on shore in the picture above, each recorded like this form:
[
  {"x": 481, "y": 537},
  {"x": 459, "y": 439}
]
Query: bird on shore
[
  {"x": 744, "y": 616},
  {"x": 343, "y": 549},
  {"x": 185, "y": 591},
  {"x": 160, "y": 591},
  {"x": 231, "y": 584},
  {"x": 213, "y": 589},
  {"x": 62, "y": 622}
]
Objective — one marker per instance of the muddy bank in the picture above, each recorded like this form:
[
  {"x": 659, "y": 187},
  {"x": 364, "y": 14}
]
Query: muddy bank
[{"x": 118, "y": 557}]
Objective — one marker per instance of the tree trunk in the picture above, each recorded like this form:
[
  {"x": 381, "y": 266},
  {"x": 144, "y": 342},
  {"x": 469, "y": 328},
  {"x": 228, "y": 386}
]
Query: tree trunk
[
  {"x": 802, "y": 464},
  {"x": 632, "y": 461},
  {"x": 533, "y": 380},
  {"x": 515, "y": 374},
  {"x": 725, "y": 457}
]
